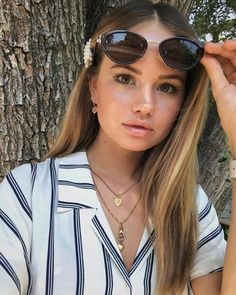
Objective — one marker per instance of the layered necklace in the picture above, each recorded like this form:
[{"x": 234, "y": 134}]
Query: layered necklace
[
  {"x": 117, "y": 200},
  {"x": 121, "y": 234}
]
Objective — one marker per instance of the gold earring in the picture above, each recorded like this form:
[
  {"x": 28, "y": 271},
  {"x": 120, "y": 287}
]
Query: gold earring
[{"x": 94, "y": 108}]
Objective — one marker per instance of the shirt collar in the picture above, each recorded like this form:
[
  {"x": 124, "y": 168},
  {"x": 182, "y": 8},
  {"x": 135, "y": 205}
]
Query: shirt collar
[{"x": 76, "y": 188}]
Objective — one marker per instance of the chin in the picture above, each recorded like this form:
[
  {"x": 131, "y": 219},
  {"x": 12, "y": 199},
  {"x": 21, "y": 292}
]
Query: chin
[{"x": 140, "y": 149}]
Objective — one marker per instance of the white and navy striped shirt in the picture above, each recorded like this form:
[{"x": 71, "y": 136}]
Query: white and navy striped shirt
[{"x": 56, "y": 240}]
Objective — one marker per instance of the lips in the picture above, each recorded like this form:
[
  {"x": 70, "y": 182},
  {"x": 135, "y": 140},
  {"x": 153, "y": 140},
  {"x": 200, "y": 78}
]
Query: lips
[
  {"x": 138, "y": 129},
  {"x": 138, "y": 125}
]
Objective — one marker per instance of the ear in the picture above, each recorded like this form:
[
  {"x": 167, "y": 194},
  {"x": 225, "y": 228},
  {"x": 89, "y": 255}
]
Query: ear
[{"x": 93, "y": 88}]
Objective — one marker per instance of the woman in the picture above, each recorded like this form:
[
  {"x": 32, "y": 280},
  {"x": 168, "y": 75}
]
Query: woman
[{"x": 116, "y": 208}]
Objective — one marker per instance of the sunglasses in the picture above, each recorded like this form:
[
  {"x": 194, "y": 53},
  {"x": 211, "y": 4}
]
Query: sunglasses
[{"x": 124, "y": 47}]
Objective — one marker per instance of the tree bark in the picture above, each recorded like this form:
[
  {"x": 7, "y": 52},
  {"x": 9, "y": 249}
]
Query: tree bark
[
  {"x": 40, "y": 50},
  {"x": 214, "y": 156},
  {"x": 41, "y": 45}
]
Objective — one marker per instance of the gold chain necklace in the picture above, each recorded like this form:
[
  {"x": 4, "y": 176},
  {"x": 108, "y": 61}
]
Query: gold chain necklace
[
  {"x": 121, "y": 234},
  {"x": 117, "y": 200}
]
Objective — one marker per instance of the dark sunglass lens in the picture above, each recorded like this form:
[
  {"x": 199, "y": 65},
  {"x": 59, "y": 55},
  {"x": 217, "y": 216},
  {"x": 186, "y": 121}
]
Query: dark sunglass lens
[
  {"x": 181, "y": 54},
  {"x": 123, "y": 47}
]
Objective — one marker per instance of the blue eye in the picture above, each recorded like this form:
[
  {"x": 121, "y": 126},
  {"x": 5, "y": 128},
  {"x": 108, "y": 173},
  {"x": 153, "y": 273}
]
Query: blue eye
[
  {"x": 124, "y": 79},
  {"x": 168, "y": 88}
]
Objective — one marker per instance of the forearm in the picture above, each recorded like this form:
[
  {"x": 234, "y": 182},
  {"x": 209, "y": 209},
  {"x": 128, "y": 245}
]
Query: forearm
[{"x": 229, "y": 273}]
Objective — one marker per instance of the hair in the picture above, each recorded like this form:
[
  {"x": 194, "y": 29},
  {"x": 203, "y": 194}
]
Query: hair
[{"x": 169, "y": 173}]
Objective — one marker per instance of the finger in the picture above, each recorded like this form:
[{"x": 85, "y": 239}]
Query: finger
[
  {"x": 229, "y": 45},
  {"x": 230, "y": 72},
  {"x": 215, "y": 72},
  {"x": 226, "y": 50}
]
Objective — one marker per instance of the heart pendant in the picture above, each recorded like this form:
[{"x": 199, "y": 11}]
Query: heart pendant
[
  {"x": 118, "y": 201},
  {"x": 120, "y": 246}
]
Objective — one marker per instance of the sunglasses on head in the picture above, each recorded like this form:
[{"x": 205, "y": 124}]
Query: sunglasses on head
[{"x": 124, "y": 47}]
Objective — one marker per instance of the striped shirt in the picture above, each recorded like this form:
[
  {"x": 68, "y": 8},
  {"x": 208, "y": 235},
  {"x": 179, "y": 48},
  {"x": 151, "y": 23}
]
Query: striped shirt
[{"x": 55, "y": 238}]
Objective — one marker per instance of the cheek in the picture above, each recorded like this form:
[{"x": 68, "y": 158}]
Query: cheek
[
  {"x": 113, "y": 95},
  {"x": 170, "y": 109}
]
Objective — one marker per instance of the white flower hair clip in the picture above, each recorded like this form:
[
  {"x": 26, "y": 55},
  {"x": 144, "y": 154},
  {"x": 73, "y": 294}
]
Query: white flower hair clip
[{"x": 88, "y": 54}]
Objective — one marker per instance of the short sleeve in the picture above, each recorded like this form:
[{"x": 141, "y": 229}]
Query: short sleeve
[
  {"x": 211, "y": 245},
  {"x": 15, "y": 231}
]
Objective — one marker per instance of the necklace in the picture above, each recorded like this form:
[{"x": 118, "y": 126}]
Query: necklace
[
  {"x": 121, "y": 234},
  {"x": 117, "y": 200}
]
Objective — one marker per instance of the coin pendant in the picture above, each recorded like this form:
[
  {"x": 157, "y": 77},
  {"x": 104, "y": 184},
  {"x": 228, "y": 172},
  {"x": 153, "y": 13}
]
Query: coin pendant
[
  {"x": 120, "y": 246},
  {"x": 118, "y": 201}
]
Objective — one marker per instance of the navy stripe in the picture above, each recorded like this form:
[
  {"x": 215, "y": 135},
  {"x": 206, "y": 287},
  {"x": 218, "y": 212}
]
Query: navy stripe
[
  {"x": 50, "y": 254},
  {"x": 6, "y": 265},
  {"x": 205, "y": 211},
  {"x": 108, "y": 270},
  {"x": 209, "y": 237},
  {"x": 114, "y": 253},
  {"x": 72, "y": 205},
  {"x": 79, "y": 254},
  {"x": 75, "y": 184},
  {"x": 33, "y": 173},
  {"x": 13, "y": 228},
  {"x": 148, "y": 274},
  {"x": 74, "y": 166},
  {"x": 19, "y": 194},
  {"x": 142, "y": 253},
  {"x": 217, "y": 270}
]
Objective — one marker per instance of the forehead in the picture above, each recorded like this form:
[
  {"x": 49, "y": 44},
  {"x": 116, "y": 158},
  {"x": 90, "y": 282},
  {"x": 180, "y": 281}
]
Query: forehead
[{"x": 152, "y": 31}]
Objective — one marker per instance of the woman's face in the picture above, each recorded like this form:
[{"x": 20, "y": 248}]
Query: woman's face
[{"x": 138, "y": 104}]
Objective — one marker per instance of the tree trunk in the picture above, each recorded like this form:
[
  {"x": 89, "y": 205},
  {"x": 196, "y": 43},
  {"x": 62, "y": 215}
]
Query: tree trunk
[
  {"x": 213, "y": 158},
  {"x": 40, "y": 53},
  {"x": 41, "y": 46}
]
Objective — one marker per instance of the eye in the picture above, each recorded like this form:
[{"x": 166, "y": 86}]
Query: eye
[
  {"x": 168, "y": 88},
  {"x": 124, "y": 79}
]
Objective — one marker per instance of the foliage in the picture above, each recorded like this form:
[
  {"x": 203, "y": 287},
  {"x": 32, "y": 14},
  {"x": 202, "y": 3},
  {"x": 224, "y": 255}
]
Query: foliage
[{"x": 215, "y": 19}]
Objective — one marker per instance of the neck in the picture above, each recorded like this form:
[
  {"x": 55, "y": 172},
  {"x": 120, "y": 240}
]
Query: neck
[{"x": 115, "y": 162}]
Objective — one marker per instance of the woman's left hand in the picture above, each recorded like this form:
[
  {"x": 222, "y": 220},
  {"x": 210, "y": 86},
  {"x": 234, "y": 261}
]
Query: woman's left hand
[{"x": 220, "y": 62}]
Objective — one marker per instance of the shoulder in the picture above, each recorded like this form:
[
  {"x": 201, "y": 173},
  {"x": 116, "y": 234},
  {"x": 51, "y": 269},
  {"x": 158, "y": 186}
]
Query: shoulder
[
  {"x": 207, "y": 214},
  {"x": 210, "y": 243},
  {"x": 201, "y": 198},
  {"x": 204, "y": 205}
]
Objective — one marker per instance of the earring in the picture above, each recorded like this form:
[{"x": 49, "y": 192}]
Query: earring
[{"x": 94, "y": 108}]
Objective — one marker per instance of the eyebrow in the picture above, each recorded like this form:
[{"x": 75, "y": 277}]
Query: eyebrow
[
  {"x": 172, "y": 77},
  {"x": 132, "y": 69},
  {"x": 136, "y": 71}
]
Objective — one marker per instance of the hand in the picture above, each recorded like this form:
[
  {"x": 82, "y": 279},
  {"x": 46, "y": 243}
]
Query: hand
[{"x": 220, "y": 62}]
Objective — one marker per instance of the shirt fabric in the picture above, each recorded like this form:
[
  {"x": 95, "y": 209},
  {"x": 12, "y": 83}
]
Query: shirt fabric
[{"x": 56, "y": 240}]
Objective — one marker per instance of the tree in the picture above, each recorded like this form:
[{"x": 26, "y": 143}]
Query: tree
[
  {"x": 41, "y": 44},
  {"x": 216, "y": 18}
]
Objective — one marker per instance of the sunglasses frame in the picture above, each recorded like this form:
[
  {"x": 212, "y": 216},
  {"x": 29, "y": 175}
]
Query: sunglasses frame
[{"x": 102, "y": 40}]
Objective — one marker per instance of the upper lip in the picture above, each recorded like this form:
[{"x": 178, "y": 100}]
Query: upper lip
[{"x": 136, "y": 123}]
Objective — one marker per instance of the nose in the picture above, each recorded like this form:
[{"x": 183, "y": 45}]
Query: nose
[{"x": 144, "y": 103}]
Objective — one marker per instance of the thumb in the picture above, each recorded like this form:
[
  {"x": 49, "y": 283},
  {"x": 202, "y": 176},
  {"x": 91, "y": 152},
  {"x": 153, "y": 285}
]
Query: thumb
[{"x": 215, "y": 72}]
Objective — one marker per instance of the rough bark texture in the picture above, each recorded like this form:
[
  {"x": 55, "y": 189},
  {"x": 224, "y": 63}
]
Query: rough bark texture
[
  {"x": 40, "y": 55},
  {"x": 213, "y": 158},
  {"x": 40, "y": 51}
]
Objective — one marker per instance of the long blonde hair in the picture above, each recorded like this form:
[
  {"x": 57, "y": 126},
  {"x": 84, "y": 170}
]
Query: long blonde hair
[{"x": 169, "y": 173}]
